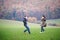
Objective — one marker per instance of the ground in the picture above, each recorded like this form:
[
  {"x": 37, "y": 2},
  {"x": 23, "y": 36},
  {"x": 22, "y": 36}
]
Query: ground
[{"x": 13, "y": 30}]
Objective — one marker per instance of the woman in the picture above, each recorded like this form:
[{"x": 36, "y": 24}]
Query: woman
[{"x": 43, "y": 23}]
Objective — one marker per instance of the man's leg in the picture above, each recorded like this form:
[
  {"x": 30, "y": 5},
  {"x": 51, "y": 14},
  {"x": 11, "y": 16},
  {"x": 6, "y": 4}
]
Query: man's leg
[
  {"x": 25, "y": 30},
  {"x": 28, "y": 29}
]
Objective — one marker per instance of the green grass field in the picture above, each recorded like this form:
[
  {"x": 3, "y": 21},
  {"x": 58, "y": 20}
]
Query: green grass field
[{"x": 13, "y": 30}]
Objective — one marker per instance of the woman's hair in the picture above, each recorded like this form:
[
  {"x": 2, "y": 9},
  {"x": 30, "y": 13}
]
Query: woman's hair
[{"x": 44, "y": 16}]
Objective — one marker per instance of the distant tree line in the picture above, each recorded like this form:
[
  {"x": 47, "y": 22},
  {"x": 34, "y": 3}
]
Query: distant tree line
[{"x": 14, "y": 15}]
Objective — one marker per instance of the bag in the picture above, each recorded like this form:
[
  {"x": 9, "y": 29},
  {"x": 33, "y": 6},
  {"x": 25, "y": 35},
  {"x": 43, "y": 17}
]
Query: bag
[{"x": 45, "y": 24}]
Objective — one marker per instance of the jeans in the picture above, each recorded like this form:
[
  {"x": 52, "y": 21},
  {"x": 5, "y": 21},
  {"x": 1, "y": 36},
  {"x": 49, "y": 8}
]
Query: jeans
[
  {"x": 42, "y": 29},
  {"x": 27, "y": 29}
]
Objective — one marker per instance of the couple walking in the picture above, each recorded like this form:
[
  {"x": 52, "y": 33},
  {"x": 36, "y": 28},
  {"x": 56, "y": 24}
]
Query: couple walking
[{"x": 43, "y": 24}]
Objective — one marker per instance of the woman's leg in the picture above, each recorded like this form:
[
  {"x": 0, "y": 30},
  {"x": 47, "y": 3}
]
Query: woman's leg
[{"x": 42, "y": 29}]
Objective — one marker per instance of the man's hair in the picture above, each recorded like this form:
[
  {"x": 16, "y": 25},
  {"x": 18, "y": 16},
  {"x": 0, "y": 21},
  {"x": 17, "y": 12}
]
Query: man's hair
[{"x": 24, "y": 16}]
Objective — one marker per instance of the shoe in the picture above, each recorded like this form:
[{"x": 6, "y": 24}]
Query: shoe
[{"x": 41, "y": 32}]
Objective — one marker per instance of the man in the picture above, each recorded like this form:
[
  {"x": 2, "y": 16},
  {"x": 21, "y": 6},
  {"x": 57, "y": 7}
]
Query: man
[
  {"x": 43, "y": 23},
  {"x": 25, "y": 24}
]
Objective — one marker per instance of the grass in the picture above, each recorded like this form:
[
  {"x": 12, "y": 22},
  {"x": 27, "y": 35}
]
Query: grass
[
  {"x": 55, "y": 21},
  {"x": 13, "y": 30}
]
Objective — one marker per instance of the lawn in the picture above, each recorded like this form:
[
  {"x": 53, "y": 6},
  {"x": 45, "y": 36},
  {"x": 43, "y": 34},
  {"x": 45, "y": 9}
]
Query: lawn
[{"x": 13, "y": 30}]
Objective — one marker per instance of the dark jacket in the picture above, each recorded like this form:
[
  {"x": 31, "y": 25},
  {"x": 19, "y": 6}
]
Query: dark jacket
[{"x": 25, "y": 21}]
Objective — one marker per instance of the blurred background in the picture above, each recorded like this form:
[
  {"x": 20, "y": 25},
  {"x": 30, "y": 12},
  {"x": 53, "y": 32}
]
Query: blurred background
[{"x": 33, "y": 9}]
